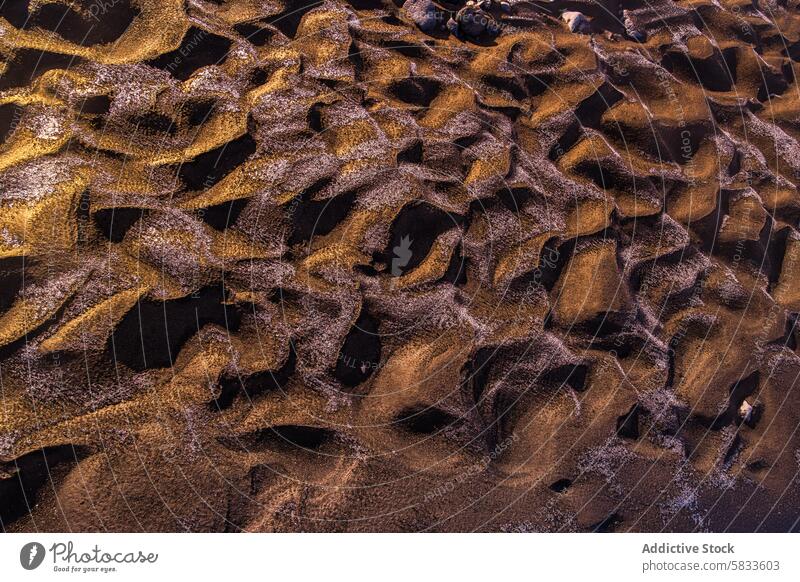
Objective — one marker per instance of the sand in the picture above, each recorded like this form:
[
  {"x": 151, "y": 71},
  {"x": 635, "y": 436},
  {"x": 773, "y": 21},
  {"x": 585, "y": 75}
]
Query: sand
[{"x": 305, "y": 266}]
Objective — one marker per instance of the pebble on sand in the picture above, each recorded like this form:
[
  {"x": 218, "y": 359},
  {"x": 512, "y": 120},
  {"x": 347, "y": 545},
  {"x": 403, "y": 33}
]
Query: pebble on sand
[
  {"x": 424, "y": 14},
  {"x": 746, "y": 411},
  {"x": 576, "y": 21}
]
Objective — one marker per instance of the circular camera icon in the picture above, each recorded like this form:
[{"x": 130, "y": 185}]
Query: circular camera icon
[{"x": 31, "y": 555}]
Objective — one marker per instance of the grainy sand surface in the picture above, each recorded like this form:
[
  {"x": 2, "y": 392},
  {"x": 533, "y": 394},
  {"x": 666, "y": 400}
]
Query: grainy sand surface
[{"x": 303, "y": 266}]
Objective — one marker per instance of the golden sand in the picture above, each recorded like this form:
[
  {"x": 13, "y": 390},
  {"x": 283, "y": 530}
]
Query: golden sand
[{"x": 296, "y": 266}]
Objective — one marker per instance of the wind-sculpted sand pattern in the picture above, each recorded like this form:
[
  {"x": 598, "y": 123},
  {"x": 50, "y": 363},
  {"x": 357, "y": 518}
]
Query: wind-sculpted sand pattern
[{"x": 301, "y": 266}]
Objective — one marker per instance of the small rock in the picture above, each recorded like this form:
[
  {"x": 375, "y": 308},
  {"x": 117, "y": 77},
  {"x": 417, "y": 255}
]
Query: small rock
[
  {"x": 473, "y": 21},
  {"x": 487, "y": 5},
  {"x": 424, "y": 14},
  {"x": 452, "y": 26},
  {"x": 576, "y": 21},
  {"x": 746, "y": 411}
]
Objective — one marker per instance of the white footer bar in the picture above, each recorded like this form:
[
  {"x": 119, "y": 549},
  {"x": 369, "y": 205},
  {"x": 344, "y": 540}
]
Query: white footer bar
[{"x": 407, "y": 557}]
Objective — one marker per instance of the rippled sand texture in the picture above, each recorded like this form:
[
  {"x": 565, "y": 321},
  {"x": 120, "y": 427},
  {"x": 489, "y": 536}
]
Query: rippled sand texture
[{"x": 287, "y": 266}]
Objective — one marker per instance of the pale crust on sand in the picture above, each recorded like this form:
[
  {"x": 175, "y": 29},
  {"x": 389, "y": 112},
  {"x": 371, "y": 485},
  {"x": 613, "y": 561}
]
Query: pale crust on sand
[{"x": 298, "y": 266}]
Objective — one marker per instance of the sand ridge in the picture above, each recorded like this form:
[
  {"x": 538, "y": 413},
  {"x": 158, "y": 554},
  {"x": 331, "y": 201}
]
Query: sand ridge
[{"x": 302, "y": 266}]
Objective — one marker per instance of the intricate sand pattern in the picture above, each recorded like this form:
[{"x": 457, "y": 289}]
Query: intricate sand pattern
[{"x": 301, "y": 266}]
